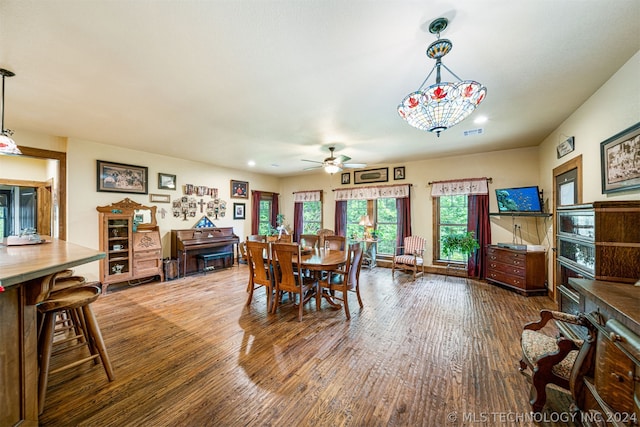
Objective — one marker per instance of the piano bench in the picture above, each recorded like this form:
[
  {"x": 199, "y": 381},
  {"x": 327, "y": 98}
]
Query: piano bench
[{"x": 206, "y": 258}]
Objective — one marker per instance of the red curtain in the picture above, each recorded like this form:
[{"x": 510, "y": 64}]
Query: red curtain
[
  {"x": 297, "y": 221},
  {"x": 255, "y": 211},
  {"x": 340, "y": 221},
  {"x": 275, "y": 210},
  {"x": 479, "y": 223},
  {"x": 403, "y": 206}
]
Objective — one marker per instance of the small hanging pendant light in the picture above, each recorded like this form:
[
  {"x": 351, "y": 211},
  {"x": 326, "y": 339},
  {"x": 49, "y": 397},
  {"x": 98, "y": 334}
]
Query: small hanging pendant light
[{"x": 7, "y": 145}]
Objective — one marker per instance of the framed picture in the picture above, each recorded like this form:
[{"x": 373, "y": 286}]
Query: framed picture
[
  {"x": 238, "y": 211},
  {"x": 346, "y": 178},
  {"x": 166, "y": 181},
  {"x": 565, "y": 147},
  {"x": 398, "y": 173},
  {"x": 121, "y": 178},
  {"x": 620, "y": 161},
  {"x": 159, "y": 198},
  {"x": 371, "y": 175},
  {"x": 239, "y": 189}
]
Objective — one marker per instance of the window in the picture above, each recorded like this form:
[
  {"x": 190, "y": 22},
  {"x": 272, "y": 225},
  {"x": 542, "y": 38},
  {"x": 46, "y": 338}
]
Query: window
[
  {"x": 355, "y": 210},
  {"x": 384, "y": 216},
  {"x": 386, "y": 225},
  {"x": 450, "y": 214},
  {"x": 264, "y": 216},
  {"x": 311, "y": 217}
]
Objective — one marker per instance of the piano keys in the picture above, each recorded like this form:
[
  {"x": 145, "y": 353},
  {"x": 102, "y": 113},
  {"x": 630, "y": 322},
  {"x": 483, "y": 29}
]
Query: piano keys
[{"x": 192, "y": 245}]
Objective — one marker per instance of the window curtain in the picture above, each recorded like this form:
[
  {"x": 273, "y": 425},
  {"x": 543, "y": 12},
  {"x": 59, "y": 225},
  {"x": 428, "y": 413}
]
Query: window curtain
[
  {"x": 480, "y": 224},
  {"x": 403, "y": 206},
  {"x": 255, "y": 211},
  {"x": 297, "y": 220},
  {"x": 340, "y": 222},
  {"x": 275, "y": 210}
]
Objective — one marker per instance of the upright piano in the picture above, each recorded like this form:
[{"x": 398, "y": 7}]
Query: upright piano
[{"x": 197, "y": 249}]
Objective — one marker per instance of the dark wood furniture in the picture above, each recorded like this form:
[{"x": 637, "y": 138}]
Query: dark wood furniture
[
  {"x": 193, "y": 245},
  {"x": 134, "y": 251},
  {"x": 518, "y": 270},
  {"x": 554, "y": 360},
  {"x": 25, "y": 275},
  {"x": 612, "y": 392},
  {"x": 596, "y": 241}
]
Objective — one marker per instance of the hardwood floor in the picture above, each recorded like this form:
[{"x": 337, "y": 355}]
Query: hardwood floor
[{"x": 188, "y": 352}]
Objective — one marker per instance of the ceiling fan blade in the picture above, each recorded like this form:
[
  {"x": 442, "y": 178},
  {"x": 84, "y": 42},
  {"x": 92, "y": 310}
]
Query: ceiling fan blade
[
  {"x": 312, "y": 161},
  {"x": 342, "y": 158},
  {"x": 354, "y": 165},
  {"x": 313, "y": 167}
]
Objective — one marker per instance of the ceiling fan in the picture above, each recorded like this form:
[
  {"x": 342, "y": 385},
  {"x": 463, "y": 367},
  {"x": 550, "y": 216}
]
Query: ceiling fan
[{"x": 333, "y": 164}]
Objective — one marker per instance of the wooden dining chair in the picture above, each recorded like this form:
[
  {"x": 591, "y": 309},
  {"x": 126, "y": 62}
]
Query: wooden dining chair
[
  {"x": 289, "y": 277},
  {"x": 335, "y": 243},
  {"x": 309, "y": 240},
  {"x": 322, "y": 233},
  {"x": 346, "y": 279},
  {"x": 256, "y": 238},
  {"x": 260, "y": 270}
]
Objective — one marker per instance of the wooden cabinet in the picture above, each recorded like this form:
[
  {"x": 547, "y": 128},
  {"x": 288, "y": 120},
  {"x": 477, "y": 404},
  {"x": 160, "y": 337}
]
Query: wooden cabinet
[
  {"x": 518, "y": 270},
  {"x": 596, "y": 241},
  {"x": 131, "y": 239},
  {"x": 612, "y": 387}
]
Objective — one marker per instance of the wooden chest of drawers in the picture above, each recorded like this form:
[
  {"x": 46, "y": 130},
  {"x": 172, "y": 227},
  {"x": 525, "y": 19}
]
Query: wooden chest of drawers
[{"x": 521, "y": 271}]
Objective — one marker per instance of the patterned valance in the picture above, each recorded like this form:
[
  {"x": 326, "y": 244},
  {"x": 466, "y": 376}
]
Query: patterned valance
[
  {"x": 460, "y": 187},
  {"x": 372, "y": 193},
  {"x": 307, "y": 196}
]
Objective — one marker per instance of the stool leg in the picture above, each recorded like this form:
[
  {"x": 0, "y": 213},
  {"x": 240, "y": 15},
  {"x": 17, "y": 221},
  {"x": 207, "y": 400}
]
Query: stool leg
[
  {"x": 94, "y": 332},
  {"x": 46, "y": 344}
]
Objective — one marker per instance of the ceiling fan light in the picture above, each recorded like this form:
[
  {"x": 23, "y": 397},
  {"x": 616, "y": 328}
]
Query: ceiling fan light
[{"x": 332, "y": 168}]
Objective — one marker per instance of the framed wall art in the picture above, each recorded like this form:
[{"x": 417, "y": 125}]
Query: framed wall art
[
  {"x": 620, "y": 161},
  {"x": 159, "y": 198},
  {"x": 566, "y": 146},
  {"x": 398, "y": 173},
  {"x": 166, "y": 181},
  {"x": 346, "y": 178},
  {"x": 238, "y": 211},
  {"x": 371, "y": 175},
  {"x": 239, "y": 189},
  {"x": 121, "y": 178}
]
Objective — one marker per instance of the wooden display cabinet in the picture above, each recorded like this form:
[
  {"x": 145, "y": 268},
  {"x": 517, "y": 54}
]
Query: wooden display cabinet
[{"x": 130, "y": 237}]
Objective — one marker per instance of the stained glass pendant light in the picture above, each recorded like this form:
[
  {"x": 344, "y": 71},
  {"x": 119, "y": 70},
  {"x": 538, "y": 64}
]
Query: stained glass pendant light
[
  {"x": 7, "y": 146},
  {"x": 443, "y": 104}
]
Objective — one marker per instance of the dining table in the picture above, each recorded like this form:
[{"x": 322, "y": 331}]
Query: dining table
[
  {"x": 26, "y": 273},
  {"x": 321, "y": 260}
]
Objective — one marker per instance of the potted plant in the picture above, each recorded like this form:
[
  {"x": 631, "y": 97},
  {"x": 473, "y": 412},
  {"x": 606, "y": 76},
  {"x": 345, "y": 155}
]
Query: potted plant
[{"x": 464, "y": 243}]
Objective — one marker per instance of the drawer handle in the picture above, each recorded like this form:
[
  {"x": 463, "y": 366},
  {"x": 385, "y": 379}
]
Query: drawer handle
[
  {"x": 632, "y": 377},
  {"x": 515, "y": 271},
  {"x": 493, "y": 257},
  {"x": 493, "y": 265},
  {"x": 615, "y": 337},
  {"x": 618, "y": 377},
  {"x": 516, "y": 262}
]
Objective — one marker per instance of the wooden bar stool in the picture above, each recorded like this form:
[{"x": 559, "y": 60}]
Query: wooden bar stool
[{"x": 78, "y": 300}]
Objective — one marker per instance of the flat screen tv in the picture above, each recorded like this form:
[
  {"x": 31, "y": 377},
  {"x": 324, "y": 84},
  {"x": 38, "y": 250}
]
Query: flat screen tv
[{"x": 520, "y": 199}]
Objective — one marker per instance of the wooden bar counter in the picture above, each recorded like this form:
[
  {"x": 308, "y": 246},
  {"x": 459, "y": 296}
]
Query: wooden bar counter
[{"x": 25, "y": 273}]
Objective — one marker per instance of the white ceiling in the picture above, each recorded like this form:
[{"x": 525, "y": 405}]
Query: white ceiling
[{"x": 225, "y": 82}]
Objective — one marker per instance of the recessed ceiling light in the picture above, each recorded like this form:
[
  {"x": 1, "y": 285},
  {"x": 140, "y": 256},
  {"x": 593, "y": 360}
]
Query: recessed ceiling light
[
  {"x": 480, "y": 119},
  {"x": 251, "y": 163}
]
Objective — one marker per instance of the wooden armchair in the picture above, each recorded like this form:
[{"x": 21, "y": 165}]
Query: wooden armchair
[
  {"x": 289, "y": 278},
  {"x": 410, "y": 256},
  {"x": 556, "y": 360},
  {"x": 346, "y": 279},
  {"x": 260, "y": 270}
]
